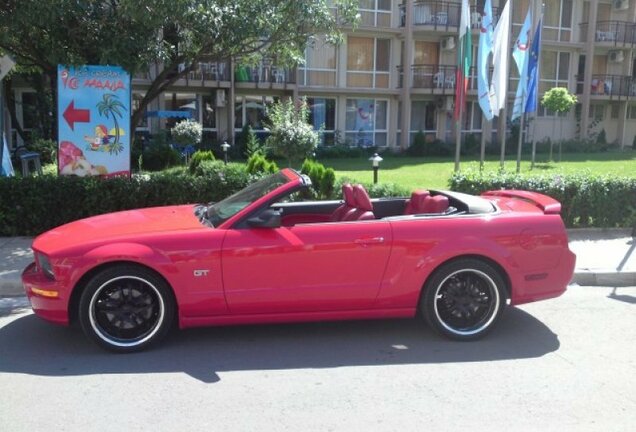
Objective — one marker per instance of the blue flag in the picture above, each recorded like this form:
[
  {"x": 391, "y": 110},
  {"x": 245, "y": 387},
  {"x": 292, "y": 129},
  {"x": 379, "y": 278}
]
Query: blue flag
[
  {"x": 485, "y": 49},
  {"x": 533, "y": 71},
  {"x": 520, "y": 54},
  {"x": 6, "y": 168}
]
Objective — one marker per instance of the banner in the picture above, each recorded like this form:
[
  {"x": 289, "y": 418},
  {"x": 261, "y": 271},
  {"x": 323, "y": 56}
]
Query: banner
[
  {"x": 6, "y": 168},
  {"x": 93, "y": 121}
]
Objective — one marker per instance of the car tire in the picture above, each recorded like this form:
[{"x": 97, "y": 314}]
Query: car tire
[
  {"x": 126, "y": 308},
  {"x": 463, "y": 299}
]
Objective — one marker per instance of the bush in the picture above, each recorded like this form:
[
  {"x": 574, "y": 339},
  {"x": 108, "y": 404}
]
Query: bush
[
  {"x": 198, "y": 157},
  {"x": 588, "y": 200},
  {"x": 47, "y": 149},
  {"x": 418, "y": 146},
  {"x": 30, "y": 206},
  {"x": 187, "y": 132},
  {"x": 292, "y": 137},
  {"x": 159, "y": 156},
  {"x": 322, "y": 179},
  {"x": 258, "y": 164}
]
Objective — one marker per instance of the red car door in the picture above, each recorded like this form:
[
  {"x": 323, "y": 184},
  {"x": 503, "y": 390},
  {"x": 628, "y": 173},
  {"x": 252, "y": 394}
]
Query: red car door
[{"x": 305, "y": 268}]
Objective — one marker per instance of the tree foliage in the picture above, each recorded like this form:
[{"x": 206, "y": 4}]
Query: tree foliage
[
  {"x": 138, "y": 34},
  {"x": 558, "y": 100},
  {"x": 292, "y": 137}
]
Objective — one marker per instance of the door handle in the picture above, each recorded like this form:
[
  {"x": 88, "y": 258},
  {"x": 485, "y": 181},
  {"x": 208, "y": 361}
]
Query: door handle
[{"x": 369, "y": 241}]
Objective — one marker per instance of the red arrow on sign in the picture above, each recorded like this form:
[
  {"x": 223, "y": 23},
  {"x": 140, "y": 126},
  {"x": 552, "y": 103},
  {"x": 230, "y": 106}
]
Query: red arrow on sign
[{"x": 72, "y": 115}]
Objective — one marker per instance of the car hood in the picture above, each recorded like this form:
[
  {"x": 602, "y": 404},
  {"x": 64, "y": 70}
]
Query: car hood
[{"x": 119, "y": 225}]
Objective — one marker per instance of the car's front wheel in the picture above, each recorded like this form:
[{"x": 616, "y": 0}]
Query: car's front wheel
[
  {"x": 463, "y": 299},
  {"x": 126, "y": 308}
]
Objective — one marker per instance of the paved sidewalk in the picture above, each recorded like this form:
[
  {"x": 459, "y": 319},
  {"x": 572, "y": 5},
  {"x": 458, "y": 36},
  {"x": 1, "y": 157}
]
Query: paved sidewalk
[{"x": 604, "y": 258}]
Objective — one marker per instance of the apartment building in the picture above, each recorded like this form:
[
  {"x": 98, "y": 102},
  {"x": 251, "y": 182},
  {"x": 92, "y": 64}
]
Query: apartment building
[{"x": 395, "y": 75}]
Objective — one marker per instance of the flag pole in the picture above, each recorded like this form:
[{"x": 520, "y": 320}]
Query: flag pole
[
  {"x": 520, "y": 144},
  {"x": 482, "y": 154},
  {"x": 536, "y": 112},
  {"x": 505, "y": 108}
]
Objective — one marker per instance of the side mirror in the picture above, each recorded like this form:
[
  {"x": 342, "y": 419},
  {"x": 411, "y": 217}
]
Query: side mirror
[{"x": 267, "y": 219}]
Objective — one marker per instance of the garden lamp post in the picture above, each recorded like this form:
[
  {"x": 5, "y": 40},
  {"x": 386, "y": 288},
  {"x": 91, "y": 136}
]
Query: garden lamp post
[
  {"x": 225, "y": 146},
  {"x": 375, "y": 159}
]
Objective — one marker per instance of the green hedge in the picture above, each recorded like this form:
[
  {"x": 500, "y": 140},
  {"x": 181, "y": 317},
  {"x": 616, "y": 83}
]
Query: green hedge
[
  {"x": 588, "y": 200},
  {"x": 32, "y": 205}
]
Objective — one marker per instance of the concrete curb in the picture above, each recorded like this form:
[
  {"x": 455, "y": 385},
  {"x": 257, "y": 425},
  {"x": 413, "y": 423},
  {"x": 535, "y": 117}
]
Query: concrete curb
[{"x": 604, "y": 278}]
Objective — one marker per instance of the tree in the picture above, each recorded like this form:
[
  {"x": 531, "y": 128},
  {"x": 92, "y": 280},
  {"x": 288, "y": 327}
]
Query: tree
[
  {"x": 560, "y": 101},
  {"x": 292, "y": 137},
  {"x": 173, "y": 34}
]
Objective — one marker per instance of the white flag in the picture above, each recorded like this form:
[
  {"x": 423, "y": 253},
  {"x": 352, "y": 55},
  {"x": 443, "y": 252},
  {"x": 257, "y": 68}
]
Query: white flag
[{"x": 501, "y": 59}]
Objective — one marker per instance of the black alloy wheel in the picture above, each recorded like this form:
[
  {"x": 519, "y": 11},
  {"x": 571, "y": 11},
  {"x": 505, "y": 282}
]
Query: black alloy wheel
[
  {"x": 126, "y": 308},
  {"x": 464, "y": 299}
]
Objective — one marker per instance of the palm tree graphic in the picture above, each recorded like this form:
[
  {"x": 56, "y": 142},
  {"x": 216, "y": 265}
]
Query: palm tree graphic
[{"x": 110, "y": 106}]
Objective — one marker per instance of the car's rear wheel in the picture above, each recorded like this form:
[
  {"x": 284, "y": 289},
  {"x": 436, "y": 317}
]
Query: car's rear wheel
[
  {"x": 126, "y": 308},
  {"x": 464, "y": 299}
]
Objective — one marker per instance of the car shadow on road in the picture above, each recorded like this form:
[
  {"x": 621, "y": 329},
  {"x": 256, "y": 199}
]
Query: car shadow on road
[{"x": 31, "y": 346}]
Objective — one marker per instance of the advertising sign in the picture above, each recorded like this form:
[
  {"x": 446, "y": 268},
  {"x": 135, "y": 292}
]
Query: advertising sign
[{"x": 93, "y": 121}]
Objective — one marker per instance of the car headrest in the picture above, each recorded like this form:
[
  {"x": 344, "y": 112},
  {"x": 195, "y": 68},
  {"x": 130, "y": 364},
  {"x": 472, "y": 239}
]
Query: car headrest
[
  {"x": 418, "y": 197},
  {"x": 436, "y": 204},
  {"x": 363, "y": 202},
  {"x": 347, "y": 194}
]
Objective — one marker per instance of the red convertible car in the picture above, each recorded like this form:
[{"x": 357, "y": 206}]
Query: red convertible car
[{"x": 264, "y": 256}]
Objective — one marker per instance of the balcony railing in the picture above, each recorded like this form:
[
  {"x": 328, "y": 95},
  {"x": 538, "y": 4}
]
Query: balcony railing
[
  {"x": 609, "y": 85},
  {"x": 433, "y": 77},
  {"x": 265, "y": 73},
  {"x": 443, "y": 14},
  {"x": 617, "y": 33},
  {"x": 217, "y": 71}
]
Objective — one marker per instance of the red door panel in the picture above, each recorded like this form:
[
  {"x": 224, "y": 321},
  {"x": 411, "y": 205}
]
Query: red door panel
[{"x": 305, "y": 268}]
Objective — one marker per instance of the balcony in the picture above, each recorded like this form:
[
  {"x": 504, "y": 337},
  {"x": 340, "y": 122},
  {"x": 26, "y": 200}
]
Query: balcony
[
  {"x": 264, "y": 73},
  {"x": 436, "y": 78},
  {"x": 442, "y": 14},
  {"x": 614, "y": 33},
  {"x": 612, "y": 86},
  {"x": 217, "y": 71}
]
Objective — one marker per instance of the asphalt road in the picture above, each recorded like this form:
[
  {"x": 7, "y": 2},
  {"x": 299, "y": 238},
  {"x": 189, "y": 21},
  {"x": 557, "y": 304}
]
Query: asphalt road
[{"x": 559, "y": 365}]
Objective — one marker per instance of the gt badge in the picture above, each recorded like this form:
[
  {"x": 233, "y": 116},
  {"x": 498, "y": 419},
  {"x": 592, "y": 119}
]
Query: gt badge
[{"x": 200, "y": 273}]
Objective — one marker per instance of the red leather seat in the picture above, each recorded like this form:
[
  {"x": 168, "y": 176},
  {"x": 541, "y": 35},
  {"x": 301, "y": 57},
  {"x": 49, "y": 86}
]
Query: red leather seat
[
  {"x": 349, "y": 204},
  {"x": 364, "y": 207},
  {"x": 416, "y": 203},
  {"x": 435, "y": 204}
]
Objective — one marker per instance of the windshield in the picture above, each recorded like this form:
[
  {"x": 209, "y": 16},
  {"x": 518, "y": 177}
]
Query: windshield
[{"x": 223, "y": 210}]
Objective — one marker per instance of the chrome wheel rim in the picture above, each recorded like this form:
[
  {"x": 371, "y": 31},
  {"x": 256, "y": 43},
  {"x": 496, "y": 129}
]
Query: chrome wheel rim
[
  {"x": 466, "y": 302},
  {"x": 126, "y": 311}
]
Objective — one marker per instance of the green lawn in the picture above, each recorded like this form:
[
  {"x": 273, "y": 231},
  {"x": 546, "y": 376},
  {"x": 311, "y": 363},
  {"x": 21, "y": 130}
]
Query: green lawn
[{"x": 434, "y": 173}]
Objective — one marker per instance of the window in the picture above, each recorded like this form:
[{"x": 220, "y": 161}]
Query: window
[
  {"x": 632, "y": 112},
  {"x": 322, "y": 114},
  {"x": 320, "y": 64},
  {"x": 426, "y": 53},
  {"x": 542, "y": 112},
  {"x": 375, "y": 13},
  {"x": 423, "y": 117},
  {"x": 555, "y": 70},
  {"x": 597, "y": 112},
  {"x": 367, "y": 122},
  {"x": 187, "y": 102},
  {"x": 208, "y": 120},
  {"x": 368, "y": 62},
  {"x": 472, "y": 118},
  {"x": 251, "y": 110},
  {"x": 557, "y": 25},
  {"x": 615, "y": 111}
]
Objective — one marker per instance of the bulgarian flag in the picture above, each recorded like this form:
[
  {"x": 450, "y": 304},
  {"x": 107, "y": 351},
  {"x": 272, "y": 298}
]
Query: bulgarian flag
[{"x": 464, "y": 59}]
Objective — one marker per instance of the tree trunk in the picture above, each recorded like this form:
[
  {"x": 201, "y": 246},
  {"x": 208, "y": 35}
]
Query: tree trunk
[{"x": 158, "y": 86}]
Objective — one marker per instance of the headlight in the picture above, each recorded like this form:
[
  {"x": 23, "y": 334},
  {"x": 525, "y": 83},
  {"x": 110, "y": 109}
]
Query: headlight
[{"x": 45, "y": 265}]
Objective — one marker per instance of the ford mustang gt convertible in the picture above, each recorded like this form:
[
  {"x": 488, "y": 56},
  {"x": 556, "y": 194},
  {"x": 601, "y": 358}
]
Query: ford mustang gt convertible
[{"x": 264, "y": 255}]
